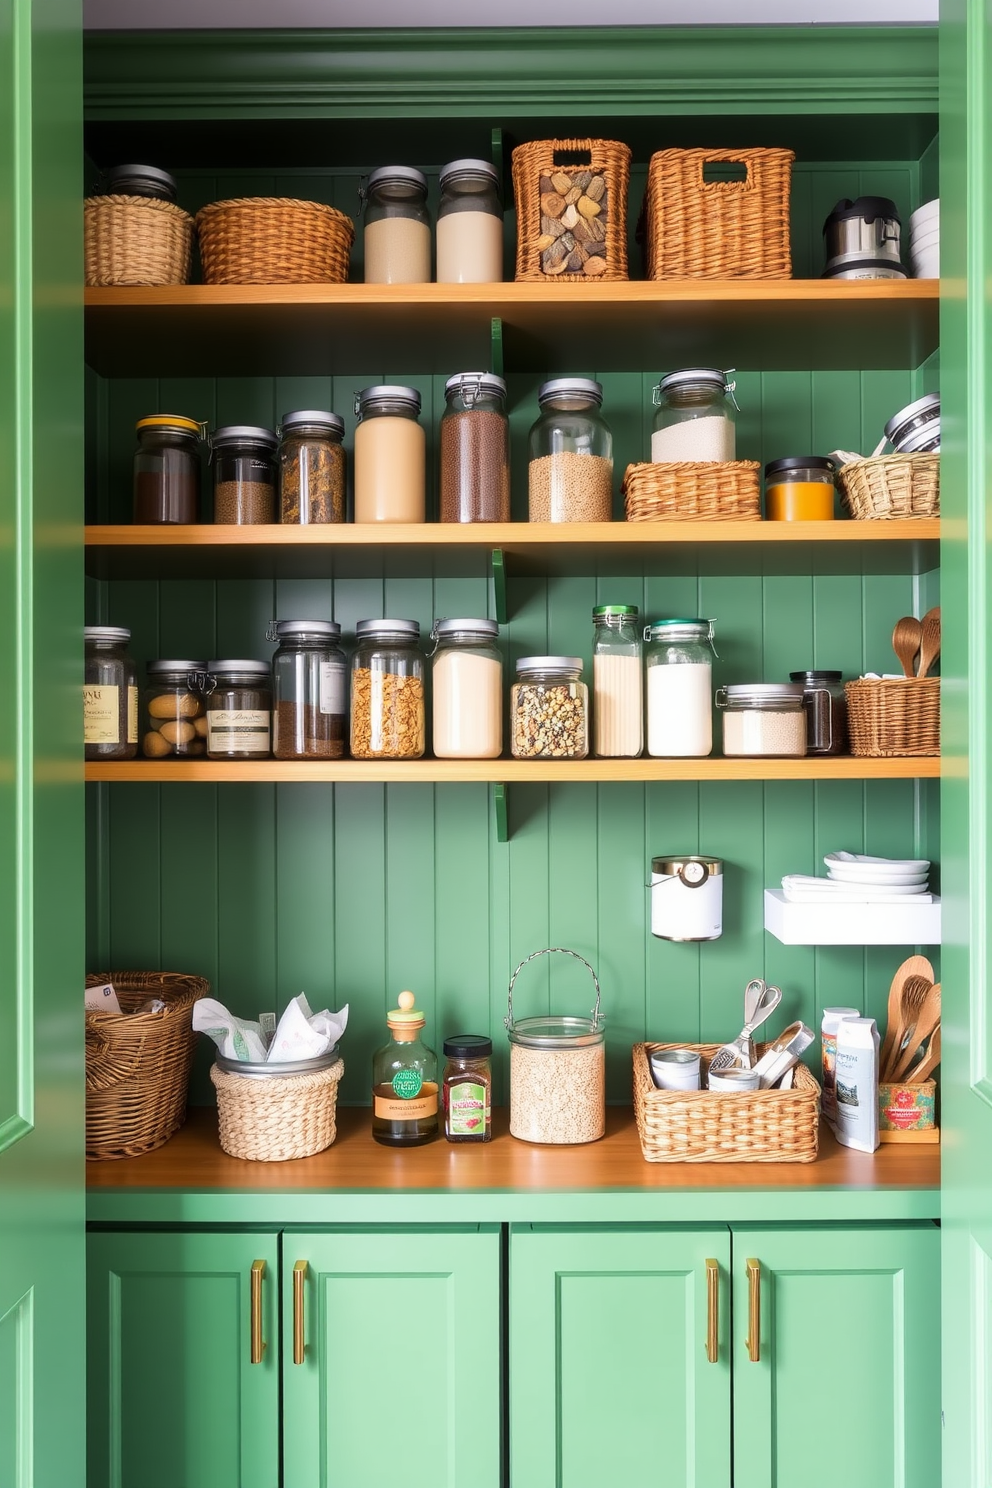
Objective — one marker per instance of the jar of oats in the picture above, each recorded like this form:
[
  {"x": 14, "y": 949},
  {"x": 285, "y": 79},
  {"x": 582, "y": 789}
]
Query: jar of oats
[
  {"x": 557, "y": 1070},
  {"x": 549, "y": 709},
  {"x": 387, "y": 691}
]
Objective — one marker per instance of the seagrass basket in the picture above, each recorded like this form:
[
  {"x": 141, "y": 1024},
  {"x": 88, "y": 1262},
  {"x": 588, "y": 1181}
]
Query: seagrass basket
[
  {"x": 273, "y": 240},
  {"x": 699, "y": 229},
  {"x": 893, "y": 716},
  {"x": 571, "y": 197},
  {"x": 137, "y": 1066},
  {"x": 272, "y": 1117},
  {"x": 136, "y": 240},
  {"x": 725, "y": 1126},
  {"x": 892, "y": 486},
  {"x": 693, "y": 491}
]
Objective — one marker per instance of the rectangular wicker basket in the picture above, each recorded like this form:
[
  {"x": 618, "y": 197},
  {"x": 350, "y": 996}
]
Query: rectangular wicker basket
[
  {"x": 693, "y": 491},
  {"x": 717, "y": 1126},
  {"x": 892, "y": 487},
  {"x": 893, "y": 717},
  {"x": 699, "y": 229},
  {"x": 571, "y": 197}
]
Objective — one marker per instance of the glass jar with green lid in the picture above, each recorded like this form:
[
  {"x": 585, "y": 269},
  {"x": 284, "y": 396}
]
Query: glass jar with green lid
[
  {"x": 679, "y": 667},
  {"x": 617, "y": 682},
  {"x": 404, "y": 1080}
]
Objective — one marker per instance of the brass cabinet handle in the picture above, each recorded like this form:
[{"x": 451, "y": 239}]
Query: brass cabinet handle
[
  {"x": 299, "y": 1342},
  {"x": 257, "y": 1341},
  {"x": 712, "y": 1311},
  {"x": 754, "y": 1310}
]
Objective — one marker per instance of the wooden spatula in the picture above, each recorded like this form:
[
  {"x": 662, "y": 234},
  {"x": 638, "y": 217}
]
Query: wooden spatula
[
  {"x": 927, "y": 1020},
  {"x": 928, "y": 1063}
]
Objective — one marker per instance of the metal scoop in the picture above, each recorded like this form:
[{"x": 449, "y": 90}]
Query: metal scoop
[
  {"x": 760, "y": 1001},
  {"x": 782, "y": 1055}
]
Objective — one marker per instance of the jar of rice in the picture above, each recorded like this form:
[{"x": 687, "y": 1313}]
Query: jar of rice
[{"x": 557, "y": 1071}]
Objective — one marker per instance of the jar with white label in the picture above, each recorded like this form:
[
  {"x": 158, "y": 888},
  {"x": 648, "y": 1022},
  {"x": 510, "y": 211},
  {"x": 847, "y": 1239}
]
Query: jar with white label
[
  {"x": 687, "y": 897},
  {"x": 110, "y": 694},
  {"x": 239, "y": 709},
  {"x": 763, "y": 719},
  {"x": 679, "y": 669},
  {"x": 309, "y": 690},
  {"x": 467, "y": 672}
]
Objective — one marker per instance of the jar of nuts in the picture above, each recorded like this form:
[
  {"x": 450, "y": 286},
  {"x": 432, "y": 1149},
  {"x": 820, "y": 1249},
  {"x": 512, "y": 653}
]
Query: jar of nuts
[
  {"x": 387, "y": 691},
  {"x": 557, "y": 1070},
  {"x": 570, "y": 474},
  {"x": 549, "y": 709},
  {"x": 176, "y": 714}
]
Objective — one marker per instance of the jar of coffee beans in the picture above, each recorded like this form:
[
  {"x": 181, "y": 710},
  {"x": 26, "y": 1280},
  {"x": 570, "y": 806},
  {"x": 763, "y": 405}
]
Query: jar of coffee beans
[
  {"x": 110, "y": 694},
  {"x": 570, "y": 475},
  {"x": 175, "y": 711},
  {"x": 309, "y": 690},
  {"x": 311, "y": 467},
  {"x": 167, "y": 469},
  {"x": 549, "y": 709},
  {"x": 244, "y": 460},
  {"x": 387, "y": 691},
  {"x": 239, "y": 709},
  {"x": 475, "y": 449}
]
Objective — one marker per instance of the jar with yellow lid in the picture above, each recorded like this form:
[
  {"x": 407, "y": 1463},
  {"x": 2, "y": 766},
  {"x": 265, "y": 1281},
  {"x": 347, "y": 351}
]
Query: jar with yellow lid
[
  {"x": 404, "y": 1080},
  {"x": 167, "y": 469},
  {"x": 799, "y": 489}
]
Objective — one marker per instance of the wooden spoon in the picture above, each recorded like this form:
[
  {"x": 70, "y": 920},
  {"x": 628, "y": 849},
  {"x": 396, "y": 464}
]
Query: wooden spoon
[
  {"x": 906, "y": 638},
  {"x": 927, "y": 1020},
  {"x": 914, "y": 991},
  {"x": 930, "y": 642},
  {"x": 914, "y": 966},
  {"x": 929, "y": 1062}
]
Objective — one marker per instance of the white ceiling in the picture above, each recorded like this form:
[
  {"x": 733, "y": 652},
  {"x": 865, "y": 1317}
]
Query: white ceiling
[{"x": 101, "y": 15}]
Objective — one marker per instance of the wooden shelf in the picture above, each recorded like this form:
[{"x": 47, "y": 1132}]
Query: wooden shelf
[
  {"x": 276, "y": 330},
  {"x": 454, "y": 549},
  {"x": 507, "y": 771}
]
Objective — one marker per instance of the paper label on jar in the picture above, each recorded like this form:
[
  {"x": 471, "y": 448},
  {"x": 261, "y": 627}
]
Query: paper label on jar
[
  {"x": 102, "y": 715},
  {"x": 467, "y": 1109},
  {"x": 332, "y": 687},
  {"x": 238, "y": 731},
  {"x": 395, "y": 1108},
  {"x": 132, "y": 715}
]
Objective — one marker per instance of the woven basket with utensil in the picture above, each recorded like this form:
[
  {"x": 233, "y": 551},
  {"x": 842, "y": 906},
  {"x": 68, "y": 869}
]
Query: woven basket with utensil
[
  {"x": 274, "y": 240},
  {"x": 718, "y": 229},
  {"x": 896, "y": 487},
  {"x": 136, "y": 240},
  {"x": 693, "y": 491}
]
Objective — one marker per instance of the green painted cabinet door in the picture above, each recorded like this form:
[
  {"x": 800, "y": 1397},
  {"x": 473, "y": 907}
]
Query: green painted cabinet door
[
  {"x": 611, "y": 1381},
  {"x": 175, "y": 1399},
  {"x": 391, "y": 1358},
  {"x": 42, "y": 1408},
  {"x": 845, "y": 1386}
]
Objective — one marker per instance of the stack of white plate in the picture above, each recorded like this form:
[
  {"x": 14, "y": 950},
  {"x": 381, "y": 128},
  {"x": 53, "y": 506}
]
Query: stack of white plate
[
  {"x": 924, "y": 241},
  {"x": 884, "y": 877}
]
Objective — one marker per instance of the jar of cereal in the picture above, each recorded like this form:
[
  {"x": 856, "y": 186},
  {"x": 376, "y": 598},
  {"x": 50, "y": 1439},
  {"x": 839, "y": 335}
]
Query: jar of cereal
[
  {"x": 557, "y": 1070},
  {"x": 549, "y": 709}
]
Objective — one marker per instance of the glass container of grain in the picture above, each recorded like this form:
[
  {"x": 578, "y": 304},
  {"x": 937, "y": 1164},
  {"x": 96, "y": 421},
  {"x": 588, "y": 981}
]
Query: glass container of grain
[
  {"x": 467, "y": 672},
  {"x": 570, "y": 474},
  {"x": 397, "y": 231},
  {"x": 469, "y": 224},
  {"x": 311, "y": 467},
  {"x": 617, "y": 683},
  {"x": 763, "y": 719},
  {"x": 309, "y": 690},
  {"x": 244, "y": 461},
  {"x": 475, "y": 449},
  {"x": 387, "y": 691},
  {"x": 176, "y": 714},
  {"x": 110, "y": 694},
  {"x": 695, "y": 418},
  {"x": 557, "y": 1070},
  {"x": 390, "y": 455},
  {"x": 549, "y": 709}
]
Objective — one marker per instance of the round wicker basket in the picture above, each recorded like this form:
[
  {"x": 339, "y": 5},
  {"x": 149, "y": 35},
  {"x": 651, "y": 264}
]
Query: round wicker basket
[
  {"x": 273, "y": 1120},
  {"x": 892, "y": 486},
  {"x": 136, "y": 240},
  {"x": 274, "y": 240}
]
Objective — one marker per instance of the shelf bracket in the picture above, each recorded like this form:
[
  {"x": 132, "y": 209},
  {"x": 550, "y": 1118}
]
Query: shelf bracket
[
  {"x": 500, "y": 810},
  {"x": 496, "y": 346},
  {"x": 499, "y": 585}
]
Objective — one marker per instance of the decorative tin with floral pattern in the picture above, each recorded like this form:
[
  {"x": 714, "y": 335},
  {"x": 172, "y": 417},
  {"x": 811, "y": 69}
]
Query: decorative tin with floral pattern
[{"x": 906, "y": 1108}]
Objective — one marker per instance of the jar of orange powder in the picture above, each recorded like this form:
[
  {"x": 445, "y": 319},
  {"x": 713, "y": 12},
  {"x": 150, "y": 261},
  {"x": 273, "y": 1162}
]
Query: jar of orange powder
[{"x": 799, "y": 489}]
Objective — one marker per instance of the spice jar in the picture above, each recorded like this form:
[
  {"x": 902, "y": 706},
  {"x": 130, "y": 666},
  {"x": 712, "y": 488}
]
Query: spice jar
[
  {"x": 469, "y": 224},
  {"x": 390, "y": 455},
  {"x": 244, "y": 460},
  {"x": 309, "y": 690},
  {"x": 570, "y": 475},
  {"x": 825, "y": 705},
  {"x": 475, "y": 449},
  {"x": 404, "y": 1081},
  {"x": 176, "y": 714},
  {"x": 695, "y": 418},
  {"x": 763, "y": 719},
  {"x": 397, "y": 232},
  {"x": 679, "y": 667},
  {"x": 799, "y": 489},
  {"x": 311, "y": 467},
  {"x": 387, "y": 691},
  {"x": 239, "y": 709},
  {"x": 617, "y": 683},
  {"x": 467, "y": 672},
  {"x": 557, "y": 1071},
  {"x": 167, "y": 469},
  {"x": 466, "y": 1088},
  {"x": 549, "y": 709},
  {"x": 110, "y": 694}
]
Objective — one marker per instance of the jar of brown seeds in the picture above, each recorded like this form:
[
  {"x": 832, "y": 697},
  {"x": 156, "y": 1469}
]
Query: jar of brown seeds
[{"x": 311, "y": 467}]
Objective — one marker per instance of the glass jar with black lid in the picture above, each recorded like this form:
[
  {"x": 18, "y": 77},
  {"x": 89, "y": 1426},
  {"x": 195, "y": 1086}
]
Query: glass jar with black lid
[
  {"x": 825, "y": 706},
  {"x": 167, "y": 469},
  {"x": 138, "y": 180},
  {"x": 309, "y": 690},
  {"x": 244, "y": 460},
  {"x": 110, "y": 694}
]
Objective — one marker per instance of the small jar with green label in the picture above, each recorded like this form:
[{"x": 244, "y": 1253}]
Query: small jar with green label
[
  {"x": 466, "y": 1088},
  {"x": 404, "y": 1081}
]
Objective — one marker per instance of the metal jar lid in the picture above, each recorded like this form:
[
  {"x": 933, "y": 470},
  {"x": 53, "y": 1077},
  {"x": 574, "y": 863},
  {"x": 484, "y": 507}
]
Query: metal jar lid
[
  {"x": 259, "y": 1070},
  {"x": 467, "y": 170},
  {"x": 177, "y": 422},
  {"x": 401, "y": 176},
  {"x": 528, "y": 664},
  {"x": 329, "y": 424},
  {"x": 157, "y": 668},
  {"x": 813, "y": 678},
  {"x": 689, "y": 375},
  {"x": 549, "y": 1032},
  {"x": 371, "y": 628},
  {"x": 443, "y": 628},
  {"x": 243, "y": 434},
  {"x": 486, "y": 384},
  {"x": 139, "y": 180},
  {"x": 692, "y": 868},
  {"x": 798, "y": 462},
  {"x": 924, "y": 440},
  {"x": 325, "y": 628},
  {"x": 924, "y": 409},
  {"x": 762, "y": 692},
  {"x": 387, "y": 392},
  {"x": 610, "y": 612},
  {"x": 106, "y": 633},
  {"x": 227, "y": 668},
  {"x": 585, "y": 388}
]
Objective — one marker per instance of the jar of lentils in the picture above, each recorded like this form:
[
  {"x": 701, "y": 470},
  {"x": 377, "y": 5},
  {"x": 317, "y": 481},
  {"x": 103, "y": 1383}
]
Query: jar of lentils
[
  {"x": 244, "y": 460},
  {"x": 549, "y": 709},
  {"x": 570, "y": 471},
  {"x": 239, "y": 709},
  {"x": 311, "y": 467},
  {"x": 387, "y": 691},
  {"x": 475, "y": 449},
  {"x": 175, "y": 711},
  {"x": 110, "y": 694},
  {"x": 557, "y": 1071},
  {"x": 763, "y": 719},
  {"x": 309, "y": 690},
  {"x": 397, "y": 231}
]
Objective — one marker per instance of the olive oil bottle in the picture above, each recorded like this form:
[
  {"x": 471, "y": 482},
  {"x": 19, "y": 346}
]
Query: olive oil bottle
[{"x": 404, "y": 1081}]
